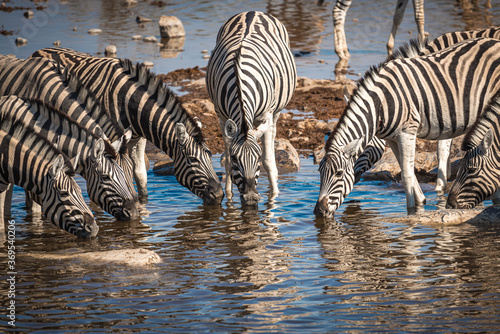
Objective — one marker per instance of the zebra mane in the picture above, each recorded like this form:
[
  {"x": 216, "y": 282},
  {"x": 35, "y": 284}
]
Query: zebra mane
[
  {"x": 411, "y": 49},
  {"x": 67, "y": 122},
  {"x": 164, "y": 96},
  {"x": 36, "y": 143},
  {"x": 488, "y": 119}
]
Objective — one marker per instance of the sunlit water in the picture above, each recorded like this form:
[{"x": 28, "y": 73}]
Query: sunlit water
[{"x": 274, "y": 269}]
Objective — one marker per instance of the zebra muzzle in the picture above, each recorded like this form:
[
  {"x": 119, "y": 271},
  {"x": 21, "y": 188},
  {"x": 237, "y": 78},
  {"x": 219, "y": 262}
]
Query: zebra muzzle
[
  {"x": 213, "y": 193},
  {"x": 250, "y": 199},
  {"x": 321, "y": 208}
]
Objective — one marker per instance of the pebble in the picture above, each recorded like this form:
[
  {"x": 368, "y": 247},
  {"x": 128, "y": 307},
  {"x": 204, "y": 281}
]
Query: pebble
[
  {"x": 321, "y": 61},
  {"x": 28, "y": 14},
  {"x": 204, "y": 51},
  {"x": 131, "y": 2},
  {"x": 21, "y": 41},
  {"x": 142, "y": 19},
  {"x": 206, "y": 57},
  {"x": 170, "y": 27},
  {"x": 110, "y": 51},
  {"x": 136, "y": 37},
  {"x": 75, "y": 28},
  {"x": 148, "y": 64},
  {"x": 150, "y": 39},
  {"x": 95, "y": 31},
  {"x": 57, "y": 43}
]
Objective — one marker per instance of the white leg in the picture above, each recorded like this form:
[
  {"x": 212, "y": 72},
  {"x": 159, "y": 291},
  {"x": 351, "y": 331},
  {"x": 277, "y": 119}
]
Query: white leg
[
  {"x": 339, "y": 14},
  {"x": 496, "y": 197},
  {"x": 269, "y": 158},
  {"x": 398, "y": 17},
  {"x": 137, "y": 149},
  {"x": 6, "y": 200},
  {"x": 444, "y": 167},
  {"x": 418, "y": 9},
  {"x": 406, "y": 150},
  {"x": 32, "y": 206},
  {"x": 227, "y": 164}
]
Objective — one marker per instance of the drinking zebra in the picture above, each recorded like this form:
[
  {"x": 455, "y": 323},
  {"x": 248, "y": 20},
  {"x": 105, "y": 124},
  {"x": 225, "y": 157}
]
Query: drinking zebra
[
  {"x": 42, "y": 79},
  {"x": 48, "y": 174},
  {"x": 106, "y": 183},
  {"x": 435, "y": 97},
  {"x": 251, "y": 76},
  {"x": 339, "y": 14},
  {"x": 479, "y": 175},
  {"x": 136, "y": 99}
]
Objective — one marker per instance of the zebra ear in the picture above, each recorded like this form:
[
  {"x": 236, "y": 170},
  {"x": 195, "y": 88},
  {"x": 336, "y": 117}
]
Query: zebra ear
[
  {"x": 74, "y": 160},
  {"x": 98, "y": 148},
  {"x": 57, "y": 166},
  {"x": 487, "y": 141},
  {"x": 352, "y": 148},
  {"x": 231, "y": 129},
  {"x": 347, "y": 95},
  {"x": 180, "y": 131},
  {"x": 198, "y": 122}
]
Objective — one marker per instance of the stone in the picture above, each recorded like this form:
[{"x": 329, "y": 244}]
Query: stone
[
  {"x": 148, "y": 64},
  {"x": 94, "y": 31},
  {"x": 28, "y": 14},
  {"x": 204, "y": 51},
  {"x": 150, "y": 39},
  {"x": 287, "y": 158},
  {"x": 171, "y": 27},
  {"x": 172, "y": 47},
  {"x": 75, "y": 28},
  {"x": 57, "y": 43},
  {"x": 110, "y": 51},
  {"x": 131, "y": 2},
  {"x": 21, "y": 41},
  {"x": 136, "y": 37},
  {"x": 206, "y": 57},
  {"x": 142, "y": 19},
  {"x": 165, "y": 167}
]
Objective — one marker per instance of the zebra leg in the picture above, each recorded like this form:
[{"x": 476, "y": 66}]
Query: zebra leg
[
  {"x": 137, "y": 148},
  {"x": 418, "y": 9},
  {"x": 227, "y": 162},
  {"x": 495, "y": 198},
  {"x": 398, "y": 18},
  {"x": 339, "y": 14},
  {"x": 406, "y": 150},
  {"x": 5, "y": 201},
  {"x": 269, "y": 158},
  {"x": 32, "y": 206},
  {"x": 444, "y": 168}
]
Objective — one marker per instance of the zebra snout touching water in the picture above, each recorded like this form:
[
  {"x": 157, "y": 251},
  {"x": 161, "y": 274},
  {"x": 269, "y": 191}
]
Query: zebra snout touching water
[
  {"x": 445, "y": 102},
  {"x": 48, "y": 175},
  {"x": 478, "y": 177},
  {"x": 251, "y": 76}
]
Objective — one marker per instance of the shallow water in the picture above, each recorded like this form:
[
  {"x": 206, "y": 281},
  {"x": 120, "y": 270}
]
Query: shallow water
[{"x": 275, "y": 269}]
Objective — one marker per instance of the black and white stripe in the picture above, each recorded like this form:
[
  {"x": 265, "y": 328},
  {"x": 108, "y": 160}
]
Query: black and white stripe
[
  {"x": 434, "y": 97},
  {"x": 33, "y": 163},
  {"x": 251, "y": 76},
  {"x": 136, "y": 99}
]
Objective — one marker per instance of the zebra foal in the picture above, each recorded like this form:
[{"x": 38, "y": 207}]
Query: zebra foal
[
  {"x": 136, "y": 99},
  {"x": 251, "y": 76},
  {"x": 434, "y": 97},
  {"x": 46, "y": 173}
]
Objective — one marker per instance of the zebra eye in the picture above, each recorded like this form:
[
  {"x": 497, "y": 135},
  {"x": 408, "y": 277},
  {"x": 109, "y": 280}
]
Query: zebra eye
[
  {"x": 339, "y": 173},
  {"x": 193, "y": 161},
  {"x": 473, "y": 170},
  {"x": 64, "y": 194},
  {"x": 105, "y": 177}
]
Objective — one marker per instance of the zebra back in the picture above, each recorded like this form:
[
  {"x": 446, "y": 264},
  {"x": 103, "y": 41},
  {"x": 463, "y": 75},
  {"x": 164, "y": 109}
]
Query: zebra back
[
  {"x": 35, "y": 165},
  {"x": 106, "y": 184},
  {"x": 446, "y": 40}
]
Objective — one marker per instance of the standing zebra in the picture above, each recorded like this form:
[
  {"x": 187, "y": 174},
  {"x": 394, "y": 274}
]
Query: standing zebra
[
  {"x": 479, "y": 175},
  {"x": 136, "y": 99},
  {"x": 42, "y": 79},
  {"x": 106, "y": 183},
  {"x": 47, "y": 174},
  {"x": 434, "y": 97},
  {"x": 251, "y": 76},
  {"x": 339, "y": 14}
]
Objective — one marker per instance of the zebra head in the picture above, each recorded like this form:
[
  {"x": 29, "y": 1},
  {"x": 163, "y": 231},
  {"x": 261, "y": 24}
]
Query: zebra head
[
  {"x": 63, "y": 203},
  {"x": 106, "y": 184},
  {"x": 478, "y": 176},
  {"x": 244, "y": 154},
  {"x": 337, "y": 177},
  {"x": 193, "y": 167}
]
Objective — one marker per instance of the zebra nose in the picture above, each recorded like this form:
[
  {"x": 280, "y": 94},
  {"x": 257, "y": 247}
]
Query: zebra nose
[
  {"x": 452, "y": 202},
  {"x": 250, "y": 199},
  {"x": 321, "y": 208},
  {"x": 130, "y": 209},
  {"x": 90, "y": 227},
  {"x": 213, "y": 193}
]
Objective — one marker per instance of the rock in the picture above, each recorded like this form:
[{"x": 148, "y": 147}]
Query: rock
[
  {"x": 312, "y": 125},
  {"x": 94, "y": 31},
  {"x": 21, "y": 41},
  {"x": 142, "y": 19},
  {"x": 110, "y": 51},
  {"x": 206, "y": 57},
  {"x": 204, "y": 51},
  {"x": 172, "y": 47},
  {"x": 150, "y": 39},
  {"x": 131, "y": 2},
  {"x": 287, "y": 158},
  {"x": 57, "y": 43},
  {"x": 129, "y": 257},
  {"x": 171, "y": 27},
  {"x": 478, "y": 215},
  {"x": 75, "y": 28},
  {"x": 28, "y": 14},
  {"x": 165, "y": 167},
  {"x": 136, "y": 37},
  {"x": 148, "y": 64}
]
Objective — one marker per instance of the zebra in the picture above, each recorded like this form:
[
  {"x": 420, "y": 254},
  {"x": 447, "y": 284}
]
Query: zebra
[
  {"x": 339, "y": 14},
  {"x": 433, "y": 97},
  {"x": 251, "y": 76},
  {"x": 106, "y": 183},
  {"x": 479, "y": 174},
  {"x": 47, "y": 173},
  {"x": 43, "y": 79},
  {"x": 135, "y": 98}
]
